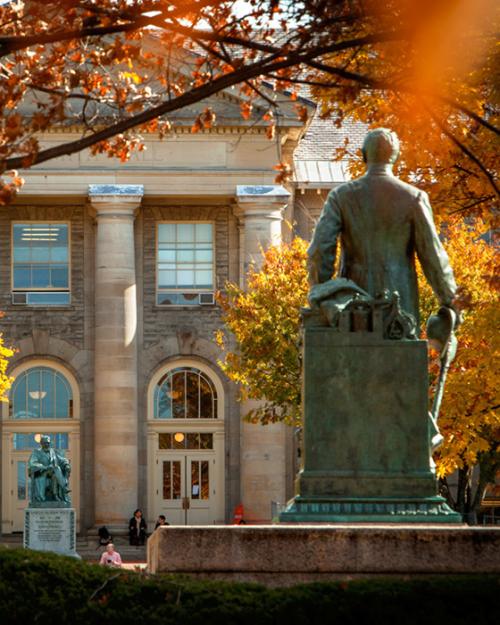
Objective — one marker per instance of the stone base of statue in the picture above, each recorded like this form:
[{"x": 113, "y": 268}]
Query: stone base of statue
[
  {"x": 366, "y": 448},
  {"x": 50, "y": 528}
]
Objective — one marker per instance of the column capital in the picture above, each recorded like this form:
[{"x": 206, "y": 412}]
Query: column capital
[
  {"x": 261, "y": 201},
  {"x": 115, "y": 200}
]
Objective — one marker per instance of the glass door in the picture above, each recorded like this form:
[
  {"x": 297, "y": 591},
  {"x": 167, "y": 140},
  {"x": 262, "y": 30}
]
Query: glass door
[
  {"x": 19, "y": 492},
  {"x": 185, "y": 490}
]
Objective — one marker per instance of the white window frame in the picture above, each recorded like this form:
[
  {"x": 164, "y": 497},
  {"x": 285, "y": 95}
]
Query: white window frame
[
  {"x": 193, "y": 290},
  {"x": 40, "y": 289}
]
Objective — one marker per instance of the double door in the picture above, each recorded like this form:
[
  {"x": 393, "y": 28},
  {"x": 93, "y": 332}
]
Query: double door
[{"x": 186, "y": 490}]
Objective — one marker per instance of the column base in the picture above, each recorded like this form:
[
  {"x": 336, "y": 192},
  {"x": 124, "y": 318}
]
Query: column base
[{"x": 369, "y": 510}]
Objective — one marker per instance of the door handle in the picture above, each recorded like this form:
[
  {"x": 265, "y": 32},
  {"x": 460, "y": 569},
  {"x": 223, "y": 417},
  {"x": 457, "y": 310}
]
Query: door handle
[{"x": 186, "y": 503}]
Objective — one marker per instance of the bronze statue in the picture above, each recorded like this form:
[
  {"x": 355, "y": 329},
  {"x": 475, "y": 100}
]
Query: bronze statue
[
  {"x": 49, "y": 474},
  {"x": 382, "y": 224}
]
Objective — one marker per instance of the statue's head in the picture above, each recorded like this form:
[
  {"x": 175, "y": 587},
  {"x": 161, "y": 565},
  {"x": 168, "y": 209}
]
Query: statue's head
[
  {"x": 45, "y": 441},
  {"x": 380, "y": 146}
]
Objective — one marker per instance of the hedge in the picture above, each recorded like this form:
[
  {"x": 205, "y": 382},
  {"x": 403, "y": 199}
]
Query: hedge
[{"x": 45, "y": 588}]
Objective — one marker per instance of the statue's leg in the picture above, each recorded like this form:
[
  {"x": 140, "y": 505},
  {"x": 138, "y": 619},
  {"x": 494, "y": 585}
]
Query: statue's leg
[{"x": 38, "y": 486}]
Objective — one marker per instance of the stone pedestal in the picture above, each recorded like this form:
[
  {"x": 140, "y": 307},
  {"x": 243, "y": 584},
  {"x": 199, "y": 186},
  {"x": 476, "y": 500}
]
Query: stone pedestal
[
  {"x": 282, "y": 555},
  {"x": 367, "y": 453},
  {"x": 50, "y": 529}
]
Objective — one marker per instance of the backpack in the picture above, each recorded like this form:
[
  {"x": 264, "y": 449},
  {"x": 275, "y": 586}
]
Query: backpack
[{"x": 104, "y": 536}]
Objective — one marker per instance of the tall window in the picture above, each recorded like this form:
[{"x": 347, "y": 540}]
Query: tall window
[
  {"x": 40, "y": 264},
  {"x": 41, "y": 393},
  {"x": 185, "y": 393},
  {"x": 185, "y": 263}
]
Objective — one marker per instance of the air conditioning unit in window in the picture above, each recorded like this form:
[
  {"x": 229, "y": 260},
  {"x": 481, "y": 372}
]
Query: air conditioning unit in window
[
  {"x": 207, "y": 299},
  {"x": 19, "y": 298}
]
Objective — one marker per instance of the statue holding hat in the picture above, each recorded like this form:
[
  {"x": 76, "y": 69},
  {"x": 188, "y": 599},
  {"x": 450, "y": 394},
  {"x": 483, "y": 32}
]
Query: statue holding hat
[
  {"x": 368, "y": 433},
  {"x": 382, "y": 225}
]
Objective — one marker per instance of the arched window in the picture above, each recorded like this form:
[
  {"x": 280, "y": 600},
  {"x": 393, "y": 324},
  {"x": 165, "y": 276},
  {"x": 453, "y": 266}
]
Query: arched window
[
  {"x": 185, "y": 393},
  {"x": 41, "y": 393}
]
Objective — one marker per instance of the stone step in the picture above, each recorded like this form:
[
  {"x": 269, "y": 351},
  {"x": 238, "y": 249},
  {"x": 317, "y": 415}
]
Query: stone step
[{"x": 88, "y": 548}]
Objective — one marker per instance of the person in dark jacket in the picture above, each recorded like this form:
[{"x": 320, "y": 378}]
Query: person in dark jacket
[{"x": 137, "y": 528}]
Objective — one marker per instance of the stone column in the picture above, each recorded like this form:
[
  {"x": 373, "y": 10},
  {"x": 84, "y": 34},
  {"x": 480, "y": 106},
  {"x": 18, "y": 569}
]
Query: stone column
[
  {"x": 115, "y": 384},
  {"x": 264, "y": 449}
]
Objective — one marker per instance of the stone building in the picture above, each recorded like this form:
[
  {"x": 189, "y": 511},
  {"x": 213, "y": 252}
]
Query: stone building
[{"x": 108, "y": 274}]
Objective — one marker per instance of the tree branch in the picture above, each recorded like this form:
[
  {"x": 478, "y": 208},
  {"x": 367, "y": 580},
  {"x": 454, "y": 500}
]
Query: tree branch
[
  {"x": 197, "y": 94},
  {"x": 464, "y": 149}
]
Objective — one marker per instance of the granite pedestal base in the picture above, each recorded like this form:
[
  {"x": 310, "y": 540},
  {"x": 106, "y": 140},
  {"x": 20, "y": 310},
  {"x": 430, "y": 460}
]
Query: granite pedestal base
[
  {"x": 50, "y": 529},
  {"x": 282, "y": 555},
  {"x": 366, "y": 450}
]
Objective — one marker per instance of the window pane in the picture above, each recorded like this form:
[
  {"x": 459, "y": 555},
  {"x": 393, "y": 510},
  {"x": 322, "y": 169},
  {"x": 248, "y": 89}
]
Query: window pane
[
  {"x": 167, "y": 480},
  {"x": 204, "y": 279},
  {"x": 61, "y": 408},
  {"x": 17, "y": 233},
  {"x": 40, "y": 253},
  {"x": 185, "y": 279},
  {"x": 176, "y": 480},
  {"x": 21, "y": 481},
  {"x": 166, "y": 279},
  {"x": 178, "y": 389},
  {"x": 195, "y": 480},
  {"x": 48, "y": 298},
  {"x": 206, "y": 403},
  {"x": 22, "y": 253},
  {"x": 185, "y": 233},
  {"x": 206, "y": 441},
  {"x": 166, "y": 232},
  {"x": 192, "y": 395},
  {"x": 166, "y": 255},
  {"x": 204, "y": 256},
  {"x": 193, "y": 440},
  {"x": 62, "y": 236},
  {"x": 34, "y": 394},
  {"x": 40, "y": 276},
  {"x": 59, "y": 276},
  {"x": 59, "y": 254},
  {"x": 205, "y": 486},
  {"x": 185, "y": 256},
  {"x": 164, "y": 400},
  {"x": 203, "y": 232},
  {"x": 22, "y": 276},
  {"x": 47, "y": 400},
  {"x": 19, "y": 398},
  {"x": 178, "y": 299},
  {"x": 164, "y": 441}
]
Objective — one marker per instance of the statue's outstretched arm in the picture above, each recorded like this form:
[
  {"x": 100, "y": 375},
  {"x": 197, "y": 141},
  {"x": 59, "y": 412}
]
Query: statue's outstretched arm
[
  {"x": 431, "y": 253},
  {"x": 322, "y": 250}
]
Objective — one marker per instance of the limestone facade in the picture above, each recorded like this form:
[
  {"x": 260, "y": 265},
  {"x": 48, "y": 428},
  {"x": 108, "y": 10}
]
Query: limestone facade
[{"x": 114, "y": 343}]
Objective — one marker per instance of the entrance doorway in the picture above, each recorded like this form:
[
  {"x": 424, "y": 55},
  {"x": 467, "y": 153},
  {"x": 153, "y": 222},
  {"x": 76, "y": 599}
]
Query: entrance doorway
[
  {"x": 186, "y": 467},
  {"x": 188, "y": 480},
  {"x": 186, "y": 490}
]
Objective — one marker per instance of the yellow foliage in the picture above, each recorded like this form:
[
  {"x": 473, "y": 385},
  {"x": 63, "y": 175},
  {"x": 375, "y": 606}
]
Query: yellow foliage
[
  {"x": 5, "y": 380},
  {"x": 262, "y": 349},
  {"x": 470, "y": 416}
]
